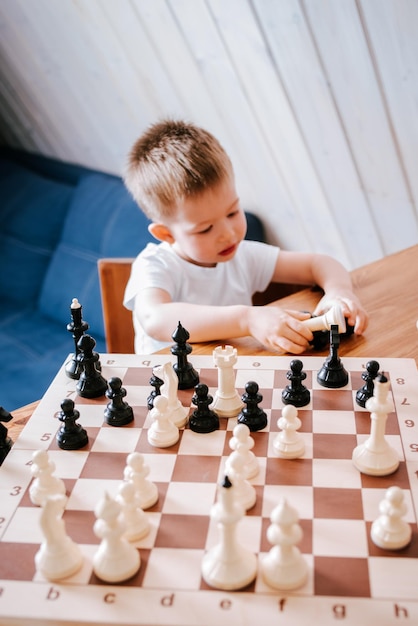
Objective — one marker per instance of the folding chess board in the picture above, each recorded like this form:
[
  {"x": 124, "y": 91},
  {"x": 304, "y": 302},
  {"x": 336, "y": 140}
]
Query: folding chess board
[{"x": 350, "y": 579}]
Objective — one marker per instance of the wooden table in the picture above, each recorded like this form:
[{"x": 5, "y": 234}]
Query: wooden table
[{"x": 388, "y": 290}]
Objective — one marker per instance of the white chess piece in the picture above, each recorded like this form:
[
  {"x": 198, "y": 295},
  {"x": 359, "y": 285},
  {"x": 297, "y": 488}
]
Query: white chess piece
[
  {"x": 228, "y": 565},
  {"x": 162, "y": 432},
  {"x": 244, "y": 491},
  {"x": 136, "y": 471},
  {"x": 375, "y": 456},
  {"x": 116, "y": 559},
  {"x": 135, "y": 519},
  {"x": 169, "y": 389},
  {"x": 45, "y": 483},
  {"x": 243, "y": 443},
  {"x": 226, "y": 402},
  {"x": 334, "y": 316},
  {"x": 389, "y": 530},
  {"x": 288, "y": 443},
  {"x": 284, "y": 567},
  {"x": 58, "y": 557}
]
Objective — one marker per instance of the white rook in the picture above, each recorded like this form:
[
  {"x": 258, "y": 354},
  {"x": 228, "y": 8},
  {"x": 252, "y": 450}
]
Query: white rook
[{"x": 226, "y": 402}]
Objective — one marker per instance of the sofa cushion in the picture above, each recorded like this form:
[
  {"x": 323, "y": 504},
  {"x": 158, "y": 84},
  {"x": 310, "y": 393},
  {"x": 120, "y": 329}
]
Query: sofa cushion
[
  {"x": 32, "y": 213},
  {"x": 102, "y": 221}
]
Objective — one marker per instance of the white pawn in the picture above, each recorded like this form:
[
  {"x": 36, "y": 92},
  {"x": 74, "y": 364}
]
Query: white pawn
[
  {"x": 162, "y": 432},
  {"x": 228, "y": 565},
  {"x": 58, "y": 557},
  {"x": 136, "y": 521},
  {"x": 227, "y": 401},
  {"x": 169, "y": 389},
  {"x": 136, "y": 472},
  {"x": 243, "y": 443},
  {"x": 288, "y": 443},
  {"x": 244, "y": 491},
  {"x": 284, "y": 566},
  {"x": 389, "y": 530},
  {"x": 116, "y": 559},
  {"x": 45, "y": 483}
]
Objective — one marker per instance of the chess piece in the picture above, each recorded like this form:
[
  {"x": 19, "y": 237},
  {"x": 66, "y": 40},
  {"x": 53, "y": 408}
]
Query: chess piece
[
  {"x": 45, "y": 484},
  {"x": 91, "y": 383},
  {"x": 5, "y": 441},
  {"x": 169, "y": 389},
  {"x": 389, "y": 530},
  {"x": 77, "y": 327},
  {"x": 369, "y": 376},
  {"x": 203, "y": 419},
  {"x": 135, "y": 519},
  {"x": 296, "y": 393},
  {"x": 136, "y": 472},
  {"x": 243, "y": 443},
  {"x": 117, "y": 412},
  {"x": 226, "y": 402},
  {"x": 252, "y": 415},
  {"x": 375, "y": 456},
  {"x": 156, "y": 383},
  {"x": 116, "y": 559},
  {"x": 288, "y": 443},
  {"x": 58, "y": 557},
  {"x": 186, "y": 374},
  {"x": 244, "y": 491},
  {"x": 333, "y": 317},
  {"x": 228, "y": 565},
  {"x": 70, "y": 436},
  {"x": 162, "y": 432},
  {"x": 284, "y": 567},
  {"x": 333, "y": 373}
]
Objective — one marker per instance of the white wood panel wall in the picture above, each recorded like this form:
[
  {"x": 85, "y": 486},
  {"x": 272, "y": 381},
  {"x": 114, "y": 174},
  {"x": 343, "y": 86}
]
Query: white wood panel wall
[{"x": 315, "y": 100}]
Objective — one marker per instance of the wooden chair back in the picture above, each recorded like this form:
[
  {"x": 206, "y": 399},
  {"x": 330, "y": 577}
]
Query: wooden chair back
[{"x": 118, "y": 324}]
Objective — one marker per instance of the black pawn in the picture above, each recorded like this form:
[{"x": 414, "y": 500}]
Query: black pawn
[
  {"x": 187, "y": 375},
  {"x": 252, "y": 415},
  {"x": 203, "y": 419},
  {"x": 333, "y": 374},
  {"x": 5, "y": 441},
  {"x": 296, "y": 393},
  {"x": 77, "y": 327},
  {"x": 366, "y": 392},
  {"x": 156, "y": 383},
  {"x": 117, "y": 412},
  {"x": 91, "y": 383},
  {"x": 71, "y": 436}
]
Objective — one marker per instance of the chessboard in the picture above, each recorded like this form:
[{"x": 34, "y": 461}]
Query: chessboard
[{"x": 350, "y": 579}]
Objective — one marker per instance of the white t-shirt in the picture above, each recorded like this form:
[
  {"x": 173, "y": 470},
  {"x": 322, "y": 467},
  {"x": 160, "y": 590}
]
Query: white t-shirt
[{"x": 229, "y": 283}]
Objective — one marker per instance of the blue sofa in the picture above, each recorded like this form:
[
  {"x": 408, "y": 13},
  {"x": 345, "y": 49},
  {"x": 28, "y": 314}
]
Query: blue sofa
[{"x": 57, "y": 219}]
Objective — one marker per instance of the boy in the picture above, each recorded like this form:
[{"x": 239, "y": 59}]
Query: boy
[{"x": 203, "y": 273}]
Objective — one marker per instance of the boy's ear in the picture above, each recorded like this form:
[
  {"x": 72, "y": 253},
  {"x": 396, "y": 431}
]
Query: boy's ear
[{"x": 161, "y": 232}]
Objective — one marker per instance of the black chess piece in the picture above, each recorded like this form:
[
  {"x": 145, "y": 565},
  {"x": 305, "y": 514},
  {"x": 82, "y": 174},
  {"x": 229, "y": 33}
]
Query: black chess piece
[
  {"x": 71, "y": 436},
  {"x": 156, "y": 383},
  {"x": 296, "y": 393},
  {"x": 203, "y": 419},
  {"x": 91, "y": 383},
  {"x": 5, "y": 441},
  {"x": 77, "y": 327},
  {"x": 333, "y": 373},
  {"x": 187, "y": 375},
  {"x": 369, "y": 375},
  {"x": 117, "y": 412},
  {"x": 252, "y": 415}
]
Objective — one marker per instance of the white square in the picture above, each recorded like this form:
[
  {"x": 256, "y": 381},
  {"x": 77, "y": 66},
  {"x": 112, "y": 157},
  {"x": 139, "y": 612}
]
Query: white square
[
  {"x": 372, "y": 499},
  {"x": 392, "y": 577},
  {"x": 336, "y": 473},
  {"x": 207, "y": 444},
  {"x": 126, "y": 440},
  {"x": 160, "y": 466},
  {"x": 189, "y": 498},
  {"x": 334, "y": 422},
  {"x": 335, "y": 537},
  {"x": 173, "y": 568},
  {"x": 87, "y": 492},
  {"x": 300, "y": 498}
]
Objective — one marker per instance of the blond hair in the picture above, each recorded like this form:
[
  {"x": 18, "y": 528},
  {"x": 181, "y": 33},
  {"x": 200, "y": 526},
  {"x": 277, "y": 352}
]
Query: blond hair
[{"x": 171, "y": 161}]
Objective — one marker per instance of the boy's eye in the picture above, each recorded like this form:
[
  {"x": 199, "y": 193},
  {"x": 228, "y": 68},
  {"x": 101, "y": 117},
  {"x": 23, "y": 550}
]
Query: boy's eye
[{"x": 206, "y": 230}]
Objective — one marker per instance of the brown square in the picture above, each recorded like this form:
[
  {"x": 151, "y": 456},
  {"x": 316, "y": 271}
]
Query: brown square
[
  {"x": 341, "y": 577},
  {"x": 281, "y": 380},
  {"x": 409, "y": 552},
  {"x": 400, "y": 478},
  {"x": 17, "y": 560},
  {"x": 182, "y": 531},
  {"x": 332, "y": 400},
  {"x": 327, "y": 446},
  {"x": 138, "y": 376},
  {"x": 92, "y": 433},
  {"x": 195, "y": 468},
  {"x": 337, "y": 503},
  {"x": 79, "y": 526},
  {"x": 288, "y": 471},
  {"x": 305, "y": 416},
  {"x": 134, "y": 581},
  {"x": 104, "y": 465}
]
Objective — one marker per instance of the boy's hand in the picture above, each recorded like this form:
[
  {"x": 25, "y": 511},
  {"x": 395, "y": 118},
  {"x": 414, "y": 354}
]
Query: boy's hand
[
  {"x": 279, "y": 329},
  {"x": 351, "y": 307}
]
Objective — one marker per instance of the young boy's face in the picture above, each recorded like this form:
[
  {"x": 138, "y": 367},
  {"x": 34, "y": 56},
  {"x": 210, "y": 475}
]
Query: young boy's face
[{"x": 207, "y": 229}]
